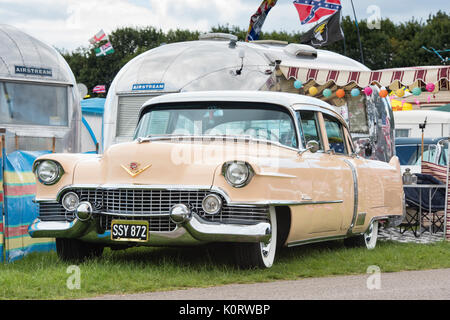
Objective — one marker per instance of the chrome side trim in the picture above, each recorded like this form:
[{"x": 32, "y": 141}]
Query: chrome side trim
[
  {"x": 315, "y": 240},
  {"x": 355, "y": 196}
]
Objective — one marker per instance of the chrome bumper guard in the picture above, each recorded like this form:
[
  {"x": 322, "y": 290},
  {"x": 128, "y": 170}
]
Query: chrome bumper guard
[{"x": 192, "y": 229}]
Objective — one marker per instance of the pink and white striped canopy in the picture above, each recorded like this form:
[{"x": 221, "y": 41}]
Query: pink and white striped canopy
[{"x": 384, "y": 78}]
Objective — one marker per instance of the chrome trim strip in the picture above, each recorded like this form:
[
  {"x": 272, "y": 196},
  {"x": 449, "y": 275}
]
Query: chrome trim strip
[
  {"x": 146, "y": 215},
  {"x": 314, "y": 240},
  {"x": 355, "y": 195}
]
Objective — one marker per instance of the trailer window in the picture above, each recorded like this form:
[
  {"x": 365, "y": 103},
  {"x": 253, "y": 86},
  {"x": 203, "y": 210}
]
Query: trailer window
[
  {"x": 33, "y": 104},
  {"x": 357, "y": 114}
]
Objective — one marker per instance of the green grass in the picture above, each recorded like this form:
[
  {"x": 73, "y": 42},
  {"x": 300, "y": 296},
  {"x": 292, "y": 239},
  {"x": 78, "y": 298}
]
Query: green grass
[{"x": 43, "y": 276}]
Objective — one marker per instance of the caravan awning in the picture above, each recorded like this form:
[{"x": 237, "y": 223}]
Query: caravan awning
[{"x": 384, "y": 78}]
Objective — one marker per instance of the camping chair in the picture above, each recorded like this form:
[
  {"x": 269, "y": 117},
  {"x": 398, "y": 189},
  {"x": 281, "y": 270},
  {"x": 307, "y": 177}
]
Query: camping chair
[{"x": 425, "y": 206}]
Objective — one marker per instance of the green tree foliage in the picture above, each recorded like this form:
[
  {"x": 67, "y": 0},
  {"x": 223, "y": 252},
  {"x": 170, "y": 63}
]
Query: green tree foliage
[{"x": 391, "y": 46}]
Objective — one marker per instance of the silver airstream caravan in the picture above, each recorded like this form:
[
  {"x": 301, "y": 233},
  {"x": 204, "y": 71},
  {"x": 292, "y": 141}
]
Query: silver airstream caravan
[
  {"x": 221, "y": 62},
  {"x": 39, "y": 99}
]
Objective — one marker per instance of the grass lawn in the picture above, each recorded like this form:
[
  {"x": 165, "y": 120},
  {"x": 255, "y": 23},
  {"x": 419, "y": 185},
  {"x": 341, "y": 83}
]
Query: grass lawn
[{"x": 43, "y": 276}]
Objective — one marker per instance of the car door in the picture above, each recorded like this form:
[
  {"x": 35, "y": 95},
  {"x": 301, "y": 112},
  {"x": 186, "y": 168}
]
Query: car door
[{"x": 332, "y": 186}]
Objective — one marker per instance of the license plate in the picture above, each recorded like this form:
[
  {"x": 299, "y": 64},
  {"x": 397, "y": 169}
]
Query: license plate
[{"x": 128, "y": 230}]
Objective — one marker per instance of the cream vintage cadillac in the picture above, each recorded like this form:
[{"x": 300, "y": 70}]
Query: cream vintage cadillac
[{"x": 257, "y": 170}]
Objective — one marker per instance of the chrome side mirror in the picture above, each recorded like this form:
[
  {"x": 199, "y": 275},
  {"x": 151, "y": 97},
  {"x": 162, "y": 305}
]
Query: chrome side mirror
[{"x": 312, "y": 146}]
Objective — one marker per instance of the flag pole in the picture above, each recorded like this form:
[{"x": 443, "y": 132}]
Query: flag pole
[{"x": 357, "y": 30}]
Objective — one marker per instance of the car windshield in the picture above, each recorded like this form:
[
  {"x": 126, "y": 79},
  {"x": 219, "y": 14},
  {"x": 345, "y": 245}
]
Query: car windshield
[
  {"x": 254, "y": 120},
  {"x": 411, "y": 154}
]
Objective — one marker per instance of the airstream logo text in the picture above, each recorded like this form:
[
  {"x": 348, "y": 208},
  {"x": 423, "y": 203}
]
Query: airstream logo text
[
  {"x": 148, "y": 86},
  {"x": 33, "y": 71}
]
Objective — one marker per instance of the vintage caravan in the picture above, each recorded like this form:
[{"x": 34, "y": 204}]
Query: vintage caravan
[
  {"x": 39, "y": 99},
  {"x": 221, "y": 62},
  {"x": 407, "y": 123}
]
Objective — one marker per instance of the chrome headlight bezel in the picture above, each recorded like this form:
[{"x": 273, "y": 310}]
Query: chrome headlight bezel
[
  {"x": 244, "y": 166},
  {"x": 55, "y": 177}
]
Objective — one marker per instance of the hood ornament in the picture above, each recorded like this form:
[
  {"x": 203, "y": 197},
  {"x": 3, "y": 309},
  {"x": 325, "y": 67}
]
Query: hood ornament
[{"x": 133, "y": 168}]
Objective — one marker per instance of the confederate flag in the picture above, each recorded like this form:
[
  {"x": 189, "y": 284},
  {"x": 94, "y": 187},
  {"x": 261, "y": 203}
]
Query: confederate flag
[{"x": 312, "y": 10}]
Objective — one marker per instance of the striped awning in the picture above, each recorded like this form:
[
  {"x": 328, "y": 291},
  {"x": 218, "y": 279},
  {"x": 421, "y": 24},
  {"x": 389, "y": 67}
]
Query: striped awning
[{"x": 384, "y": 78}]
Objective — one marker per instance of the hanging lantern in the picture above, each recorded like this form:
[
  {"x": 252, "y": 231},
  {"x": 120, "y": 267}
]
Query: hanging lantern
[
  {"x": 355, "y": 92},
  {"x": 298, "y": 84},
  {"x": 368, "y": 91},
  {"x": 384, "y": 93},
  {"x": 430, "y": 87},
  {"x": 340, "y": 93},
  {"x": 416, "y": 91},
  {"x": 313, "y": 91},
  {"x": 327, "y": 93},
  {"x": 400, "y": 93}
]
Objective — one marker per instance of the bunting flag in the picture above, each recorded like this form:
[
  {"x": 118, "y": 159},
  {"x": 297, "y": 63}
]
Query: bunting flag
[
  {"x": 99, "y": 89},
  {"x": 311, "y": 11},
  {"x": 325, "y": 32},
  {"x": 257, "y": 20},
  {"x": 100, "y": 36},
  {"x": 104, "y": 50}
]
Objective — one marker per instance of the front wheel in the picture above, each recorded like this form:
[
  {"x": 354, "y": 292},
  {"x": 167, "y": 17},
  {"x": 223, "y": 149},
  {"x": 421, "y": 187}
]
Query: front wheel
[
  {"x": 74, "y": 250},
  {"x": 258, "y": 255},
  {"x": 368, "y": 239}
]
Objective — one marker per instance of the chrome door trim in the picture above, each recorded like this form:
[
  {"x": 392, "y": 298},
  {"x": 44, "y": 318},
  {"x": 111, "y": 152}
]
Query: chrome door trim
[{"x": 355, "y": 195}]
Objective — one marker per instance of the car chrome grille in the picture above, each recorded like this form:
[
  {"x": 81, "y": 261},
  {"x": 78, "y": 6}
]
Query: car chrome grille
[{"x": 152, "y": 205}]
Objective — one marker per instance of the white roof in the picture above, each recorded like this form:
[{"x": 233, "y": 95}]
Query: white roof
[
  {"x": 23, "y": 57},
  {"x": 418, "y": 116}
]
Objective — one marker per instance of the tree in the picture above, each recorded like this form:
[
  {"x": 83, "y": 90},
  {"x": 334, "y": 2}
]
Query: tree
[{"x": 391, "y": 46}]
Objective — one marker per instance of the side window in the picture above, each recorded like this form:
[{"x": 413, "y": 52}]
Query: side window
[
  {"x": 309, "y": 127},
  {"x": 335, "y": 134},
  {"x": 349, "y": 141}
]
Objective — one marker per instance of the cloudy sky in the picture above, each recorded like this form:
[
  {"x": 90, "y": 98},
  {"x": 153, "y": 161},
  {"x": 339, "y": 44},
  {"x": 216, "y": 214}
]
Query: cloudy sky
[{"x": 69, "y": 24}]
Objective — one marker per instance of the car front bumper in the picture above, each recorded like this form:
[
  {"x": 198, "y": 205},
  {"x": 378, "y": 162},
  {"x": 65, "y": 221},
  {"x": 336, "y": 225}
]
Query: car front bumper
[{"x": 191, "y": 229}]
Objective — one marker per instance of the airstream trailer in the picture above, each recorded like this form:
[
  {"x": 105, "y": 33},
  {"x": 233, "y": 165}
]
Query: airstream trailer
[
  {"x": 39, "y": 99},
  {"x": 221, "y": 62}
]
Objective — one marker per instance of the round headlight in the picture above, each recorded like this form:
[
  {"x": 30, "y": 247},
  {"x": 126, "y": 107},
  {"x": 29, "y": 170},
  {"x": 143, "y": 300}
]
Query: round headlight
[
  {"x": 70, "y": 201},
  {"x": 211, "y": 204},
  {"x": 48, "y": 172},
  {"x": 237, "y": 174}
]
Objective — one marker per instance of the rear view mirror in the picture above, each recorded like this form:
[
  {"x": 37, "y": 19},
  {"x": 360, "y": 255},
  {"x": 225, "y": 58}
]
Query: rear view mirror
[{"x": 312, "y": 146}]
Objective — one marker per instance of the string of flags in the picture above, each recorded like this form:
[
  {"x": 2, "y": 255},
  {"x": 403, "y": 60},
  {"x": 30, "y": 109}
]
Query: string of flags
[{"x": 104, "y": 49}]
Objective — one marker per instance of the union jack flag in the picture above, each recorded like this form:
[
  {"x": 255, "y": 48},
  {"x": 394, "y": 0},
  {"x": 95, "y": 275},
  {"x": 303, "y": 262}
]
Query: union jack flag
[{"x": 311, "y": 11}]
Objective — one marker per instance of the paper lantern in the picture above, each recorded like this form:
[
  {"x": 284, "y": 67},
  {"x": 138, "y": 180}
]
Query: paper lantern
[
  {"x": 298, "y": 84},
  {"x": 416, "y": 91},
  {"x": 313, "y": 91},
  {"x": 384, "y": 93},
  {"x": 368, "y": 91},
  {"x": 327, "y": 93},
  {"x": 430, "y": 87},
  {"x": 340, "y": 93},
  {"x": 400, "y": 93},
  {"x": 355, "y": 92}
]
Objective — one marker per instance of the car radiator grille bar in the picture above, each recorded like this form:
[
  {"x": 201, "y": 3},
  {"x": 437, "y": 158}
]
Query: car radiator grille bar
[{"x": 152, "y": 205}]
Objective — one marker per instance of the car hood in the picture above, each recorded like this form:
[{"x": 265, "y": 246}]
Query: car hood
[{"x": 172, "y": 162}]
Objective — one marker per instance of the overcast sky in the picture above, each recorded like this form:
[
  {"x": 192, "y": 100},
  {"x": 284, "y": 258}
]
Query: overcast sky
[{"x": 69, "y": 24}]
